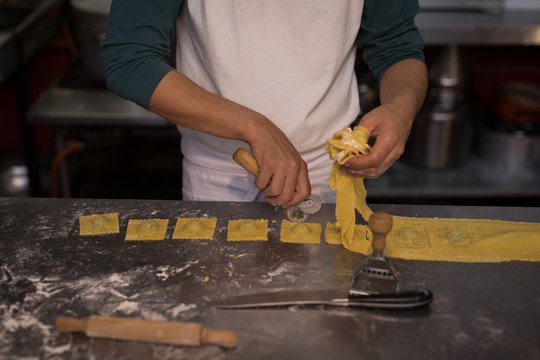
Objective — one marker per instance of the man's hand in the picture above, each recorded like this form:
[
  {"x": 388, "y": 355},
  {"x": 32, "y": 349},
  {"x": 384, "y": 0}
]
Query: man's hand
[
  {"x": 403, "y": 88},
  {"x": 390, "y": 128},
  {"x": 283, "y": 174}
]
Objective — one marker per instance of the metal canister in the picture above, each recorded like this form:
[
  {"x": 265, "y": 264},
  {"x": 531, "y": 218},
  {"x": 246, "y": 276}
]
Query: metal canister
[{"x": 440, "y": 138}]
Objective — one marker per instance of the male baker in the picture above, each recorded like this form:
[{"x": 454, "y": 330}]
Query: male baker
[{"x": 277, "y": 75}]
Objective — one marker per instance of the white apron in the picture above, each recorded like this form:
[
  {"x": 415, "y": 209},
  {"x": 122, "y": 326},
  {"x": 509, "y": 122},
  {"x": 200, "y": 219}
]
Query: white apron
[{"x": 290, "y": 60}]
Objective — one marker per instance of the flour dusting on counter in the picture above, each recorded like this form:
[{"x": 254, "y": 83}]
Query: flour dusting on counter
[
  {"x": 164, "y": 272},
  {"x": 29, "y": 305},
  {"x": 175, "y": 311},
  {"x": 285, "y": 270}
]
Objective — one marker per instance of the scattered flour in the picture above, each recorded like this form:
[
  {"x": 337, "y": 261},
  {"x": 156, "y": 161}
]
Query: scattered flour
[
  {"x": 128, "y": 307},
  {"x": 287, "y": 269},
  {"x": 180, "y": 309},
  {"x": 44, "y": 298},
  {"x": 164, "y": 272}
]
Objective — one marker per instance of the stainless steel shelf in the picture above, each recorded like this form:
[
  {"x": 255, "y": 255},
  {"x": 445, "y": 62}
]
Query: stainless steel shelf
[
  {"x": 475, "y": 179},
  {"x": 21, "y": 42},
  {"x": 83, "y": 107},
  {"x": 511, "y": 27}
]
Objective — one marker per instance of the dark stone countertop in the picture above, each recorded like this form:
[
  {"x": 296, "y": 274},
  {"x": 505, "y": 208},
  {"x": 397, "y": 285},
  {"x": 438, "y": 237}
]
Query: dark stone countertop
[{"x": 47, "y": 269}]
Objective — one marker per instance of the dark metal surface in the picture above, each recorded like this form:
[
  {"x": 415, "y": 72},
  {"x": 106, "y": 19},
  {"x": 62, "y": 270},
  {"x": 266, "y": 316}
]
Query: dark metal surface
[
  {"x": 46, "y": 269},
  {"x": 476, "y": 179},
  {"x": 508, "y": 27},
  {"x": 90, "y": 107}
]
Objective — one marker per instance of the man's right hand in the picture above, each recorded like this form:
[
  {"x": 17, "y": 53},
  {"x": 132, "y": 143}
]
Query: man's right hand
[{"x": 283, "y": 174}]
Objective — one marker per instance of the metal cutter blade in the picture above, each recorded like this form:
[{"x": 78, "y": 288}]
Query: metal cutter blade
[
  {"x": 299, "y": 213},
  {"x": 376, "y": 275}
]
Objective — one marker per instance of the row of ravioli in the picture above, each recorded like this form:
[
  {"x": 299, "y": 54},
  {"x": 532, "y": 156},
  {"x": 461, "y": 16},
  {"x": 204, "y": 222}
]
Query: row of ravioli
[{"x": 204, "y": 229}]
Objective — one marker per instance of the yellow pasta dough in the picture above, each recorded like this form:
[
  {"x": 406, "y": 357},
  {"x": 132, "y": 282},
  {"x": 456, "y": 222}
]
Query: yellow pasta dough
[
  {"x": 459, "y": 240},
  {"x": 247, "y": 229},
  {"x": 332, "y": 235},
  {"x": 99, "y": 224},
  {"x": 194, "y": 228},
  {"x": 307, "y": 233},
  {"x": 146, "y": 229},
  {"x": 350, "y": 190},
  {"x": 439, "y": 239}
]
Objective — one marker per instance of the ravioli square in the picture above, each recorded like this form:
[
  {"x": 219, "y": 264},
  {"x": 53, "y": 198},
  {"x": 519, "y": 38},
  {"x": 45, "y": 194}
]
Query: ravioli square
[
  {"x": 247, "y": 229},
  {"x": 300, "y": 233},
  {"x": 146, "y": 229},
  {"x": 195, "y": 228},
  {"x": 332, "y": 235},
  {"x": 99, "y": 224}
]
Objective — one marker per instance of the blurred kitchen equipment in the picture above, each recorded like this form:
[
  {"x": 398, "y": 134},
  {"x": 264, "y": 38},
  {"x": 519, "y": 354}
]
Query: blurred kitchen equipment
[
  {"x": 518, "y": 103},
  {"x": 14, "y": 179},
  {"x": 462, "y": 5},
  {"x": 441, "y": 136},
  {"x": 367, "y": 91},
  {"x": 12, "y": 12},
  {"x": 88, "y": 21},
  {"x": 510, "y": 150},
  {"x": 511, "y": 140}
]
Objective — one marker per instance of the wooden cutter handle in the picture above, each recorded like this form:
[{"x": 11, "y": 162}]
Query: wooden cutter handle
[
  {"x": 166, "y": 332},
  {"x": 380, "y": 224},
  {"x": 244, "y": 158}
]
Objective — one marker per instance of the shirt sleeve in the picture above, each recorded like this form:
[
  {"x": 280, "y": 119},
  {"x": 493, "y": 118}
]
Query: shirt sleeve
[
  {"x": 389, "y": 34},
  {"x": 136, "y": 46}
]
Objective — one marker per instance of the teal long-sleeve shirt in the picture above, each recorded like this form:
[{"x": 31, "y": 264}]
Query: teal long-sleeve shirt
[{"x": 139, "y": 33}]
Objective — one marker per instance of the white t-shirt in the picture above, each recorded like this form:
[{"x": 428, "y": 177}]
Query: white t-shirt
[{"x": 290, "y": 60}]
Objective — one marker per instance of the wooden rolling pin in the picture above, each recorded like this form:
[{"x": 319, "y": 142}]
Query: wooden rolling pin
[{"x": 166, "y": 332}]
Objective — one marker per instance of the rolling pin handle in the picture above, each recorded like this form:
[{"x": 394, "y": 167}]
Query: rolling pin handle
[
  {"x": 70, "y": 324},
  {"x": 380, "y": 224},
  {"x": 246, "y": 160},
  {"x": 226, "y": 339}
]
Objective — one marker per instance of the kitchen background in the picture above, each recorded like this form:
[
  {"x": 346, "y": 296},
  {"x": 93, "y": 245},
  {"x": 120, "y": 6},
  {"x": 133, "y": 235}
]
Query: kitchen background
[{"x": 475, "y": 142}]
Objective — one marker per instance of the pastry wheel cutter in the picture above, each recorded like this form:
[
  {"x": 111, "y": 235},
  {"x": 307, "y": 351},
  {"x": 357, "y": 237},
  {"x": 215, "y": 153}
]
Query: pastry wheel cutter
[{"x": 298, "y": 213}]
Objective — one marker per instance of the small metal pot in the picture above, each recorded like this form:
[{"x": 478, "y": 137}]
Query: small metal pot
[
  {"x": 510, "y": 150},
  {"x": 440, "y": 138}
]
